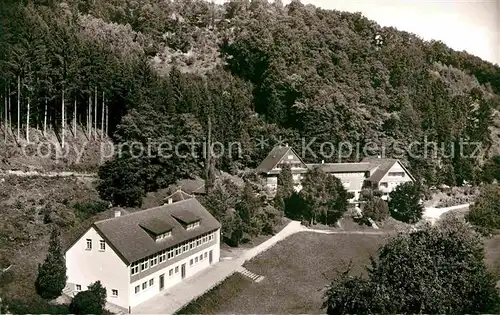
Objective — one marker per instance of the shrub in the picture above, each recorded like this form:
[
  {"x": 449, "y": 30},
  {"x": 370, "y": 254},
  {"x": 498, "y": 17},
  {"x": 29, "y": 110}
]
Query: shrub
[
  {"x": 37, "y": 306},
  {"x": 92, "y": 301},
  {"x": 89, "y": 209},
  {"x": 485, "y": 212},
  {"x": 376, "y": 209}
]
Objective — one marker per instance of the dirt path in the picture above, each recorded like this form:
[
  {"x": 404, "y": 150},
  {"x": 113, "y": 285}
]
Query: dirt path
[{"x": 46, "y": 174}]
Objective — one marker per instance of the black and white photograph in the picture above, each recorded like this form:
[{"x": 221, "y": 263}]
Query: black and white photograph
[{"x": 249, "y": 157}]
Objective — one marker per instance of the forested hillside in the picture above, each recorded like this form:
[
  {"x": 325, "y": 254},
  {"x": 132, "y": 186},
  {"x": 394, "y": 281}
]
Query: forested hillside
[{"x": 155, "y": 70}]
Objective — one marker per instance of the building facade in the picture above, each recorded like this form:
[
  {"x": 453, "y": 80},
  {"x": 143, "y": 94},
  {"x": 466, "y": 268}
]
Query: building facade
[
  {"x": 389, "y": 174},
  {"x": 271, "y": 166},
  {"x": 138, "y": 255}
]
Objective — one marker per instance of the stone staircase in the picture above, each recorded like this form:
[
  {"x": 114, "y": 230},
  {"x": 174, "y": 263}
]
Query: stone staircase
[{"x": 247, "y": 273}]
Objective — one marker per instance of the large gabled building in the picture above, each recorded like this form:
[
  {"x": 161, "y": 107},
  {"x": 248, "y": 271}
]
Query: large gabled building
[
  {"x": 136, "y": 256},
  {"x": 386, "y": 175},
  {"x": 372, "y": 172},
  {"x": 270, "y": 167}
]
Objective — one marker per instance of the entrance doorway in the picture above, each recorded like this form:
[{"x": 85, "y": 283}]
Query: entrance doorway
[
  {"x": 210, "y": 257},
  {"x": 183, "y": 271},
  {"x": 162, "y": 281}
]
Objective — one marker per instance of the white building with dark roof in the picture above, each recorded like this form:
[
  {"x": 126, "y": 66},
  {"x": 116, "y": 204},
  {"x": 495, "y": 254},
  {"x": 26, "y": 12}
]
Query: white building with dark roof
[
  {"x": 136, "y": 256},
  {"x": 372, "y": 172},
  {"x": 270, "y": 167}
]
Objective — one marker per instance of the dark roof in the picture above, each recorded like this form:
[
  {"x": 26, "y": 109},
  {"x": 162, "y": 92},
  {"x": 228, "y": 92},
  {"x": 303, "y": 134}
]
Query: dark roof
[
  {"x": 179, "y": 195},
  {"x": 185, "y": 217},
  {"x": 191, "y": 186},
  {"x": 344, "y": 167},
  {"x": 276, "y": 154},
  {"x": 131, "y": 242},
  {"x": 273, "y": 158},
  {"x": 383, "y": 165},
  {"x": 156, "y": 226}
]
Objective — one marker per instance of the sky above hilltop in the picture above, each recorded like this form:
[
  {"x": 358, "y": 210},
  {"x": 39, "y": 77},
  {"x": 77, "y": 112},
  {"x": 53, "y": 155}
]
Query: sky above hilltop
[{"x": 468, "y": 25}]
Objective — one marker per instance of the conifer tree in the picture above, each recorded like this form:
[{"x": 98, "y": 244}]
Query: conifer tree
[
  {"x": 51, "y": 277},
  {"x": 285, "y": 187}
]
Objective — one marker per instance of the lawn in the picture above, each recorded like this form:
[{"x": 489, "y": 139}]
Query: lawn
[
  {"x": 296, "y": 270},
  {"x": 492, "y": 253}
]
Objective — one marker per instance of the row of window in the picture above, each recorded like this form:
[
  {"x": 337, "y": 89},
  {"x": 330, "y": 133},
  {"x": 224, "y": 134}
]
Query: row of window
[
  {"x": 102, "y": 245},
  {"x": 197, "y": 259},
  {"x": 192, "y": 225},
  {"x": 358, "y": 175},
  {"x": 161, "y": 257},
  {"x": 292, "y": 165},
  {"x": 164, "y": 235},
  {"x": 144, "y": 285},
  {"x": 386, "y": 185},
  {"x": 397, "y": 174},
  {"x": 78, "y": 288},
  {"x": 171, "y": 272}
]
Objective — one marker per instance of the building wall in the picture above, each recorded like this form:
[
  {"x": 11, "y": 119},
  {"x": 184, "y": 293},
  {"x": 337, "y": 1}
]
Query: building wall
[
  {"x": 353, "y": 182},
  {"x": 87, "y": 266},
  {"x": 272, "y": 182},
  {"x": 176, "y": 277},
  {"x": 170, "y": 260},
  {"x": 393, "y": 181}
]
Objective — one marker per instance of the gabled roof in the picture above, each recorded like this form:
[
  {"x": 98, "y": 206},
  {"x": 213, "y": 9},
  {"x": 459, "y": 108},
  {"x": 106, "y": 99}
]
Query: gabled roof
[
  {"x": 192, "y": 186},
  {"x": 344, "y": 167},
  {"x": 383, "y": 166},
  {"x": 179, "y": 195},
  {"x": 131, "y": 242},
  {"x": 273, "y": 158}
]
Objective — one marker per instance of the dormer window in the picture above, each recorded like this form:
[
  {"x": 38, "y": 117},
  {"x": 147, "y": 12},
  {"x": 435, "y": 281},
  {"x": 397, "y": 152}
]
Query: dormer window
[
  {"x": 187, "y": 219},
  {"x": 192, "y": 225},
  {"x": 163, "y": 235},
  {"x": 157, "y": 229}
]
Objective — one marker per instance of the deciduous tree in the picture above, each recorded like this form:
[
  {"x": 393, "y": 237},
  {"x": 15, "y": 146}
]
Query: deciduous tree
[
  {"x": 437, "y": 270},
  {"x": 405, "y": 202}
]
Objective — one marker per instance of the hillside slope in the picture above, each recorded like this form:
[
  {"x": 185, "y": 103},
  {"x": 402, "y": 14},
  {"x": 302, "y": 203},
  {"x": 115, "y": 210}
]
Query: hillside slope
[
  {"x": 31, "y": 207},
  {"x": 257, "y": 69}
]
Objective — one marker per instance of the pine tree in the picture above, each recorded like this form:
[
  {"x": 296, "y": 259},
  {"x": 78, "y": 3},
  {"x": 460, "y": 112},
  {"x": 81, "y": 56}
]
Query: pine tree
[
  {"x": 285, "y": 187},
  {"x": 51, "y": 277}
]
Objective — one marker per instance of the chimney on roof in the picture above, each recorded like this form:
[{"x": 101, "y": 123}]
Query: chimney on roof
[
  {"x": 118, "y": 213},
  {"x": 169, "y": 200}
]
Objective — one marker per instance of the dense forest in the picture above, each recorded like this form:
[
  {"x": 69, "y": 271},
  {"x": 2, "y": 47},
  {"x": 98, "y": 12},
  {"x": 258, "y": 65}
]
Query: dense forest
[{"x": 156, "y": 70}]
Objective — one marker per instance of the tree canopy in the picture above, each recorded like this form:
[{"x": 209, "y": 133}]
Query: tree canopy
[
  {"x": 485, "y": 211},
  {"x": 324, "y": 196},
  {"x": 437, "y": 270},
  {"x": 405, "y": 202},
  {"x": 256, "y": 69}
]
